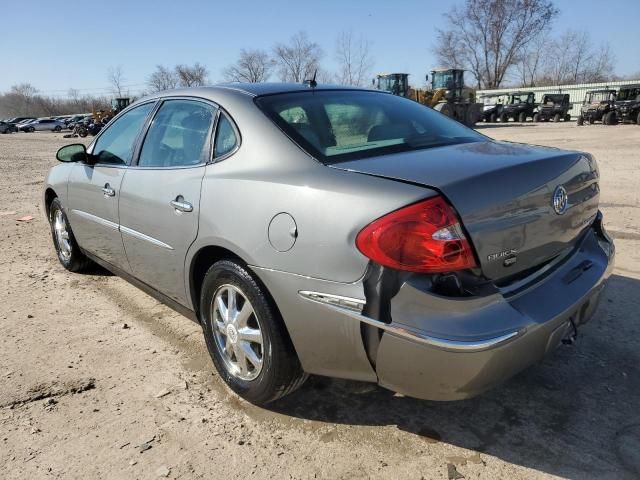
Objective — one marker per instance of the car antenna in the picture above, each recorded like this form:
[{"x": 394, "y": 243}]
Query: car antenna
[{"x": 312, "y": 83}]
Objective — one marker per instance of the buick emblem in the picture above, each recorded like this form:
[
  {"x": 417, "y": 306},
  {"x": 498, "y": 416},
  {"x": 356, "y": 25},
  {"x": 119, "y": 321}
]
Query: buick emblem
[{"x": 560, "y": 200}]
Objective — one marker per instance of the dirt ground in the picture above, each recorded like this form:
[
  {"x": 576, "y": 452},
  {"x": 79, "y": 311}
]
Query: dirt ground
[{"x": 99, "y": 380}]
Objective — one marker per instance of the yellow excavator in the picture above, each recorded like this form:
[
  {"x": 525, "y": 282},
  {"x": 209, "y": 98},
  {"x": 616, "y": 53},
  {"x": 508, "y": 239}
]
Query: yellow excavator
[
  {"x": 447, "y": 94},
  {"x": 117, "y": 105}
]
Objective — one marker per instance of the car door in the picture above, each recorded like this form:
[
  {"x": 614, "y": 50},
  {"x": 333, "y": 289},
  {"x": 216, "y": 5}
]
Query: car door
[
  {"x": 160, "y": 194},
  {"x": 93, "y": 190}
]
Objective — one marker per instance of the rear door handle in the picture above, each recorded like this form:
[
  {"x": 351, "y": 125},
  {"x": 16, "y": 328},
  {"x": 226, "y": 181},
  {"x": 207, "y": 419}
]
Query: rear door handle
[
  {"x": 108, "y": 191},
  {"x": 181, "y": 205}
]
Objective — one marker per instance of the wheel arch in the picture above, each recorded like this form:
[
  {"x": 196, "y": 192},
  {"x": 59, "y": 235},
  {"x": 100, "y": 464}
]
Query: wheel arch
[
  {"x": 49, "y": 196},
  {"x": 200, "y": 263}
]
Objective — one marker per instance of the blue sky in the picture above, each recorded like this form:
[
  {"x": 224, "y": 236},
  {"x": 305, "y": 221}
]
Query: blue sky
[{"x": 60, "y": 45}]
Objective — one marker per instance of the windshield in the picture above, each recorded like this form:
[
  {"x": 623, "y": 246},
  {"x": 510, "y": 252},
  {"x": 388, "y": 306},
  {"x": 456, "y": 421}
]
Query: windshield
[
  {"x": 395, "y": 84},
  {"x": 599, "y": 96},
  {"x": 442, "y": 80},
  {"x": 518, "y": 99},
  {"x": 335, "y": 126},
  {"x": 629, "y": 94}
]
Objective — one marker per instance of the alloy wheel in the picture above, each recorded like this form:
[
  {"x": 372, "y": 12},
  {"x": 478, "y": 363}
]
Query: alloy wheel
[
  {"x": 62, "y": 235},
  {"x": 237, "y": 332}
]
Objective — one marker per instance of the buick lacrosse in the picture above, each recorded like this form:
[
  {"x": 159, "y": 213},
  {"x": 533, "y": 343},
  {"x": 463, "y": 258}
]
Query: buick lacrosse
[{"x": 336, "y": 231}]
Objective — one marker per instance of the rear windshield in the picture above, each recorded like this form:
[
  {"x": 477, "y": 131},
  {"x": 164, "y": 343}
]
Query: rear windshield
[{"x": 341, "y": 125}]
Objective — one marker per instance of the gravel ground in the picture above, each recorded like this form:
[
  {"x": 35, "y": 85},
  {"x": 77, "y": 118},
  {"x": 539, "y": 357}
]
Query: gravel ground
[{"x": 99, "y": 380}]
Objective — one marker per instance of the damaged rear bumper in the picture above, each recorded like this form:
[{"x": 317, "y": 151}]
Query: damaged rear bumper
[
  {"x": 520, "y": 326},
  {"x": 443, "y": 348}
]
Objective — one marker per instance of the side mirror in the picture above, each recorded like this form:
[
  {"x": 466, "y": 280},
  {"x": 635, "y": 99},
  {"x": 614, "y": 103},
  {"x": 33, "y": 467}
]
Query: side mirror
[{"x": 75, "y": 152}]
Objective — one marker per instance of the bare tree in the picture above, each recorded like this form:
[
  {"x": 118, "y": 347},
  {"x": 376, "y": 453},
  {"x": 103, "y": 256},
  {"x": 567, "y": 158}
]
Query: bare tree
[
  {"x": 253, "y": 66},
  {"x": 24, "y": 100},
  {"x": 531, "y": 61},
  {"x": 116, "y": 80},
  {"x": 161, "y": 79},
  {"x": 600, "y": 68},
  {"x": 354, "y": 59},
  {"x": 298, "y": 60},
  {"x": 192, "y": 76},
  {"x": 25, "y": 89},
  {"x": 487, "y": 36},
  {"x": 573, "y": 59}
]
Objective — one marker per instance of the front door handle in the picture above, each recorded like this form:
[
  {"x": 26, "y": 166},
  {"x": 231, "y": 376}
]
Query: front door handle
[
  {"x": 108, "y": 191},
  {"x": 181, "y": 205}
]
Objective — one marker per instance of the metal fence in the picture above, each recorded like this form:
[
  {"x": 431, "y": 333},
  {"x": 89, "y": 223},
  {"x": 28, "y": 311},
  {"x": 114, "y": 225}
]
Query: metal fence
[{"x": 576, "y": 92}]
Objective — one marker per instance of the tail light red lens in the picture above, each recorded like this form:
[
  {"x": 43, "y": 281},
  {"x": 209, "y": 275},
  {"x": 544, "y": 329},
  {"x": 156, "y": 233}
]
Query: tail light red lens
[{"x": 424, "y": 237}]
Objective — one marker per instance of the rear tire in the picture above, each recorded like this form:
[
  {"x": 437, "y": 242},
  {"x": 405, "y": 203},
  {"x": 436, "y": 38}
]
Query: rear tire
[
  {"x": 57, "y": 128},
  {"x": 567, "y": 118},
  {"x": 67, "y": 249},
  {"x": 556, "y": 118},
  {"x": 32, "y": 129},
  {"x": 493, "y": 118},
  {"x": 279, "y": 372},
  {"x": 522, "y": 117},
  {"x": 580, "y": 120}
]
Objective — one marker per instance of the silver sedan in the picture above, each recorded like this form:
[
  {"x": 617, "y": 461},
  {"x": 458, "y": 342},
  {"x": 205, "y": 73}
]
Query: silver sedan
[
  {"x": 42, "y": 125},
  {"x": 339, "y": 232}
]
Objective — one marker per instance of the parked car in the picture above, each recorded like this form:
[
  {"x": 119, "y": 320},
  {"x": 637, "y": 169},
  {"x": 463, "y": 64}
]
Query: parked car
[
  {"x": 339, "y": 232},
  {"x": 80, "y": 119},
  {"x": 627, "y": 104},
  {"x": 73, "y": 119},
  {"x": 554, "y": 106},
  {"x": 6, "y": 127},
  {"x": 598, "y": 106},
  {"x": 519, "y": 106},
  {"x": 42, "y": 124},
  {"x": 16, "y": 122}
]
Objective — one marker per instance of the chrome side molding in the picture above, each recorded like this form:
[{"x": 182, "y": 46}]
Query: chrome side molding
[
  {"x": 349, "y": 303},
  {"x": 353, "y": 308}
]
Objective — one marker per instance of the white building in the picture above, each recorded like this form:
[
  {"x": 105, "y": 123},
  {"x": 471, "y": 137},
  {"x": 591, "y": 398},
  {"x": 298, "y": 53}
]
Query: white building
[{"x": 576, "y": 92}]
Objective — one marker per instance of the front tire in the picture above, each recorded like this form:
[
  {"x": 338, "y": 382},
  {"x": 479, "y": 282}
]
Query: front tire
[
  {"x": 556, "y": 118},
  {"x": 536, "y": 117},
  {"x": 580, "y": 120},
  {"x": 246, "y": 336},
  {"x": 504, "y": 118},
  {"x": 67, "y": 249}
]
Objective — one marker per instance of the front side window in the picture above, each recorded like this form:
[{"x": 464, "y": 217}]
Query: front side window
[
  {"x": 336, "y": 126},
  {"x": 179, "y": 135},
  {"x": 115, "y": 145}
]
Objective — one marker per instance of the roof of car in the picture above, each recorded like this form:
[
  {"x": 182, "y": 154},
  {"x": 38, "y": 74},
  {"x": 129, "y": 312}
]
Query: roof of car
[
  {"x": 625, "y": 87},
  {"x": 520, "y": 92},
  {"x": 253, "y": 89}
]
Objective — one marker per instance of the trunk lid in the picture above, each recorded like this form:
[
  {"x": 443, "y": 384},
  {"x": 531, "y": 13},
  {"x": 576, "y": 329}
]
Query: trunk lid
[{"x": 504, "y": 195}]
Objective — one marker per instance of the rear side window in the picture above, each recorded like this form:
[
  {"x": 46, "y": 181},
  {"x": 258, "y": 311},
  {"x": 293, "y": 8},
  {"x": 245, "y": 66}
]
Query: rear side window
[
  {"x": 179, "y": 135},
  {"x": 226, "y": 139},
  {"x": 115, "y": 144},
  {"x": 343, "y": 125}
]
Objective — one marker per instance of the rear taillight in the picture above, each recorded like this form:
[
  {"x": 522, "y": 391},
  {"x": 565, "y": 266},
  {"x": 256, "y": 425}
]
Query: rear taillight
[{"x": 424, "y": 237}]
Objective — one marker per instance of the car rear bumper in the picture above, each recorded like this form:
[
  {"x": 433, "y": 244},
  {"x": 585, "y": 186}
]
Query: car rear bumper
[
  {"x": 442, "y": 348},
  {"x": 449, "y": 356}
]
